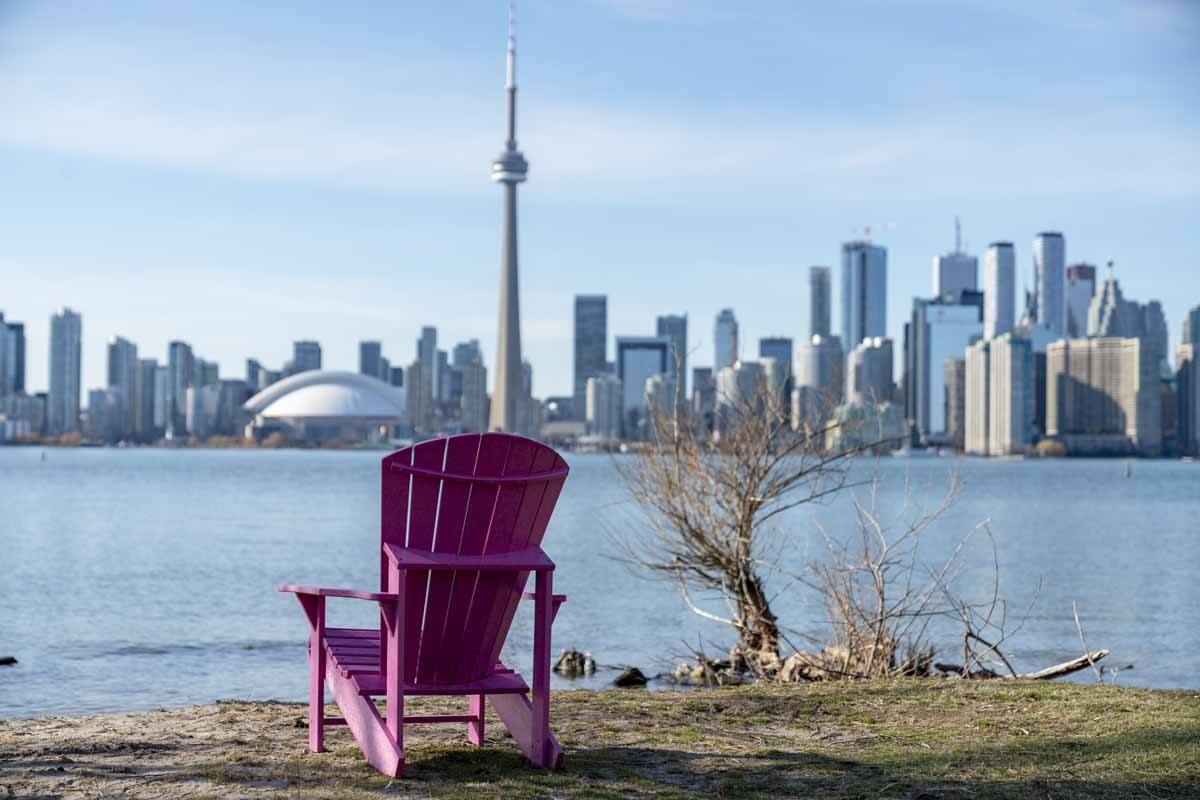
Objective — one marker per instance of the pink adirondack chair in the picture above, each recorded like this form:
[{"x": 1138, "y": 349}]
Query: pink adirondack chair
[{"x": 462, "y": 524}]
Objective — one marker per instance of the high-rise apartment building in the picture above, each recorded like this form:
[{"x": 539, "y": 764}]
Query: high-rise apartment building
[
  {"x": 144, "y": 429},
  {"x": 66, "y": 363},
  {"x": 725, "y": 340},
  {"x": 1081, "y": 287},
  {"x": 704, "y": 396},
  {"x": 869, "y": 371},
  {"x": 427, "y": 355},
  {"x": 999, "y": 289},
  {"x": 181, "y": 365},
  {"x": 12, "y": 357},
  {"x": 474, "y": 394},
  {"x": 604, "y": 397},
  {"x": 122, "y": 381},
  {"x": 675, "y": 328},
  {"x": 954, "y": 376},
  {"x": 864, "y": 292},
  {"x": 1010, "y": 396},
  {"x": 940, "y": 328},
  {"x": 1187, "y": 398},
  {"x": 977, "y": 377},
  {"x": 591, "y": 344},
  {"x": 1103, "y": 396},
  {"x": 819, "y": 381},
  {"x": 1050, "y": 273},
  {"x": 638, "y": 358},
  {"x": 820, "y": 301}
]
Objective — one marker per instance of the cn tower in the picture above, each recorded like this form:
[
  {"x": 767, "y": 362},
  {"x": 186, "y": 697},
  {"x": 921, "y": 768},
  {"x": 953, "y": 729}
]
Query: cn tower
[{"x": 509, "y": 169}]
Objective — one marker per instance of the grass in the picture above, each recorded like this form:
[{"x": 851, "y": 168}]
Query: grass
[{"x": 903, "y": 739}]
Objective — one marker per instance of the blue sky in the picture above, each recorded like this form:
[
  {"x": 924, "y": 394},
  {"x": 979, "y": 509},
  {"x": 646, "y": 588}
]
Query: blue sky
[{"x": 240, "y": 175}]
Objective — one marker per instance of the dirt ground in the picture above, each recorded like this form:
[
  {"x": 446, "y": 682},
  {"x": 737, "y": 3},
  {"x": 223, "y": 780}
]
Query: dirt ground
[{"x": 906, "y": 739}]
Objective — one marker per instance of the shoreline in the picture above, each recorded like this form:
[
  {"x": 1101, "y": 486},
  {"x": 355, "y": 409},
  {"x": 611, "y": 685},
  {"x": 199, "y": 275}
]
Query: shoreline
[{"x": 902, "y": 738}]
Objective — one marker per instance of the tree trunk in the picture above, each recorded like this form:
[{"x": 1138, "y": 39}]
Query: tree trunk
[{"x": 758, "y": 629}]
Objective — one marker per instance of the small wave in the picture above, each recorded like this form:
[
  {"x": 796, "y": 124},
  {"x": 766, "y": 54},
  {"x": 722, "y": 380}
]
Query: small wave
[{"x": 162, "y": 649}]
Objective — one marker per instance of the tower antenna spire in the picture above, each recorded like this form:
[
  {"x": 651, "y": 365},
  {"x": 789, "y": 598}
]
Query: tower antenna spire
[
  {"x": 510, "y": 81},
  {"x": 957, "y": 234}
]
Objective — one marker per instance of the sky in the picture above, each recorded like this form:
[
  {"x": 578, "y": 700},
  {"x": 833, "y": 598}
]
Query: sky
[{"x": 243, "y": 175}]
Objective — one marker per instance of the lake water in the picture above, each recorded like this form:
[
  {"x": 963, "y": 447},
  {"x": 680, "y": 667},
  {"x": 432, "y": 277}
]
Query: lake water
[{"x": 137, "y": 579}]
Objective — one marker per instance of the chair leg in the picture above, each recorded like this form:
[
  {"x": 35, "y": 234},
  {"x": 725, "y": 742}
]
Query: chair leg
[
  {"x": 475, "y": 726},
  {"x": 542, "y": 617},
  {"x": 315, "y": 609}
]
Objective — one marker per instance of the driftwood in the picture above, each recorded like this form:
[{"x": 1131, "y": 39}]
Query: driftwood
[{"x": 1056, "y": 671}]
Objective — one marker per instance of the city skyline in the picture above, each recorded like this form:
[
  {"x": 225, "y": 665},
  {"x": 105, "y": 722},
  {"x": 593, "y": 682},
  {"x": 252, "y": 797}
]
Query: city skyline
[{"x": 223, "y": 230}]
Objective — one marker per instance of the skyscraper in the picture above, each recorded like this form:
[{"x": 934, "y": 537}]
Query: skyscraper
[
  {"x": 369, "y": 353},
  {"x": 509, "y": 169},
  {"x": 1187, "y": 397},
  {"x": 819, "y": 381},
  {"x": 1010, "y": 395},
  {"x": 1103, "y": 396},
  {"x": 1191, "y": 327},
  {"x": 999, "y": 289},
  {"x": 864, "y": 292},
  {"x": 180, "y": 366},
  {"x": 1081, "y": 286},
  {"x": 638, "y": 358},
  {"x": 725, "y": 340},
  {"x": 474, "y": 395},
  {"x": 427, "y": 356},
  {"x": 869, "y": 372},
  {"x": 954, "y": 376},
  {"x": 1050, "y": 273},
  {"x": 122, "y": 382},
  {"x": 977, "y": 379},
  {"x": 66, "y": 362},
  {"x": 956, "y": 271},
  {"x": 674, "y": 328},
  {"x": 820, "y": 301},
  {"x": 306, "y": 356},
  {"x": 12, "y": 357},
  {"x": 143, "y": 400},
  {"x": 591, "y": 345},
  {"x": 604, "y": 398},
  {"x": 940, "y": 328}
]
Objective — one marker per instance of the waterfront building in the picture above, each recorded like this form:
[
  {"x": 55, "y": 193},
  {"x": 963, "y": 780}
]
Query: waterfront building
[
  {"x": 740, "y": 390},
  {"x": 1111, "y": 315},
  {"x": 819, "y": 381},
  {"x": 977, "y": 375},
  {"x": 467, "y": 352},
  {"x": 864, "y": 292},
  {"x": 1010, "y": 395},
  {"x": 1050, "y": 272},
  {"x": 122, "y": 379},
  {"x": 604, "y": 399},
  {"x": 638, "y": 358},
  {"x": 529, "y": 410},
  {"x": 704, "y": 397},
  {"x": 674, "y": 327},
  {"x": 162, "y": 400},
  {"x": 180, "y": 363},
  {"x": 418, "y": 402},
  {"x": 201, "y": 403},
  {"x": 725, "y": 340},
  {"x": 229, "y": 418},
  {"x": 999, "y": 289},
  {"x": 474, "y": 394},
  {"x": 1187, "y": 398},
  {"x": 955, "y": 272},
  {"x": 869, "y": 371},
  {"x": 101, "y": 421},
  {"x": 1081, "y": 287},
  {"x": 254, "y": 372},
  {"x": 591, "y": 344},
  {"x": 369, "y": 355},
  {"x": 877, "y": 426},
  {"x": 939, "y": 329},
  {"x": 396, "y": 376},
  {"x": 325, "y": 406},
  {"x": 1103, "y": 396},
  {"x": 144, "y": 428},
  {"x": 509, "y": 169},
  {"x": 820, "y": 301},
  {"x": 66, "y": 364},
  {"x": 12, "y": 357},
  {"x": 954, "y": 376}
]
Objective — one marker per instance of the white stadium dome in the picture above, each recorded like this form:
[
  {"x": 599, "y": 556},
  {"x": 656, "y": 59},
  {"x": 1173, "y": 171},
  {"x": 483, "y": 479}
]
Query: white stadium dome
[{"x": 326, "y": 396}]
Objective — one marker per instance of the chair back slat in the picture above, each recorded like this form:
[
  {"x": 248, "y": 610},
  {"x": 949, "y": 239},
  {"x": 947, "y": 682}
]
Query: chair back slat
[
  {"x": 456, "y": 621},
  {"x": 436, "y": 647}
]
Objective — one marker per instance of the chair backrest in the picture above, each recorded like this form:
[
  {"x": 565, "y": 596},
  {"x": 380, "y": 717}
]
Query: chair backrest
[{"x": 451, "y": 502}]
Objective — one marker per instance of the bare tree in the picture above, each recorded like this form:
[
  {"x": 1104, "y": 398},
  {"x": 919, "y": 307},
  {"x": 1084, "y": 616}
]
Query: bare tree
[{"x": 711, "y": 502}]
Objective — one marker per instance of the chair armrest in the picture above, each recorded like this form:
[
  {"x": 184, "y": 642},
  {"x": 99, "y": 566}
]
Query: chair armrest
[
  {"x": 557, "y": 599},
  {"x": 325, "y": 591},
  {"x": 532, "y": 559}
]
